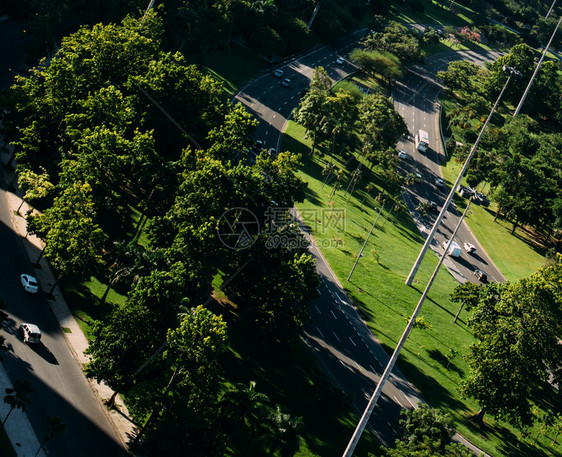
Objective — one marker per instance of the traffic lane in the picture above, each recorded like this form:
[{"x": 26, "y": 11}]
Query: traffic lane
[
  {"x": 50, "y": 367},
  {"x": 352, "y": 345},
  {"x": 358, "y": 382},
  {"x": 83, "y": 436}
]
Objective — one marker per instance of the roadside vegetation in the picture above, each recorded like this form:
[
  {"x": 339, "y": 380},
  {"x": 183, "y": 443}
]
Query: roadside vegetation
[{"x": 133, "y": 189}]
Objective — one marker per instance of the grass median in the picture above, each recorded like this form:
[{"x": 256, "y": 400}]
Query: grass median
[{"x": 432, "y": 357}]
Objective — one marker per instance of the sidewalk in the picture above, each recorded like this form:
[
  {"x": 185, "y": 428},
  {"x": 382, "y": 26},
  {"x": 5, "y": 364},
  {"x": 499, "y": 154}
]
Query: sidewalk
[{"x": 119, "y": 419}]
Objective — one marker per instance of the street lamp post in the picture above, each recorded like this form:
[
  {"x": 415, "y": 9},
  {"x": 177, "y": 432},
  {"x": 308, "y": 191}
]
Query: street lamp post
[
  {"x": 536, "y": 69},
  {"x": 429, "y": 239},
  {"x": 382, "y": 381},
  {"x": 364, "y": 244}
]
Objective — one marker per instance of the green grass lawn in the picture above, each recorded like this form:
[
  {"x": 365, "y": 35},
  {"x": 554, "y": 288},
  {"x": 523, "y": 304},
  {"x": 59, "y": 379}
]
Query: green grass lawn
[
  {"x": 233, "y": 68},
  {"x": 431, "y": 359},
  {"x": 516, "y": 255},
  {"x": 434, "y": 14}
]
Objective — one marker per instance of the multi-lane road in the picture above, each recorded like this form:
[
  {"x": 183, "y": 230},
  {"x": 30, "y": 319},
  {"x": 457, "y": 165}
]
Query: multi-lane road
[
  {"x": 59, "y": 386},
  {"x": 343, "y": 342},
  {"x": 415, "y": 98}
]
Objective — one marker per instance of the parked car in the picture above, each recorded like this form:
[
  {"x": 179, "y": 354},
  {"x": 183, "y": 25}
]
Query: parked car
[
  {"x": 439, "y": 182},
  {"x": 29, "y": 283},
  {"x": 30, "y": 333},
  {"x": 469, "y": 248},
  {"x": 481, "y": 275},
  {"x": 339, "y": 61},
  {"x": 278, "y": 73},
  {"x": 286, "y": 82},
  {"x": 402, "y": 154}
]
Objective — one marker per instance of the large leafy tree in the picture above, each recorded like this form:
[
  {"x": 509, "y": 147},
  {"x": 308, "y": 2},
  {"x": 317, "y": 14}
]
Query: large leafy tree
[
  {"x": 398, "y": 40},
  {"x": 425, "y": 432},
  {"x": 379, "y": 128},
  {"x": 73, "y": 240},
  {"x": 184, "y": 414},
  {"x": 119, "y": 346},
  {"x": 517, "y": 327},
  {"x": 311, "y": 112}
]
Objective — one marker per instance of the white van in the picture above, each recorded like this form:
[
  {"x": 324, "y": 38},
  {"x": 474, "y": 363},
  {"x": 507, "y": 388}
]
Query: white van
[
  {"x": 30, "y": 333},
  {"x": 454, "y": 249}
]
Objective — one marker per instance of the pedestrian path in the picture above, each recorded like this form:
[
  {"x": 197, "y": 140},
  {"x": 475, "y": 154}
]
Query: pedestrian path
[{"x": 17, "y": 426}]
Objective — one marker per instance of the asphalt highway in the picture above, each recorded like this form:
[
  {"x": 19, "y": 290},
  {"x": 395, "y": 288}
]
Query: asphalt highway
[
  {"x": 59, "y": 386},
  {"x": 415, "y": 98},
  {"x": 344, "y": 344}
]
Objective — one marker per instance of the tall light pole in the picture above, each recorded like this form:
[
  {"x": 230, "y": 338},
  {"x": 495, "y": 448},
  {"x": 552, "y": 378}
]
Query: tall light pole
[
  {"x": 382, "y": 381},
  {"x": 364, "y": 244},
  {"x": 537, "y": 68},
  {"x": 431, "y": 235}
]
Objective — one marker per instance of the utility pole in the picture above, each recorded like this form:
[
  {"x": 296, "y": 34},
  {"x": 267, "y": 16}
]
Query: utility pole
[
  {"x": 431, "y": 235},
  {"x": 373, "y": 401},
  {"x": 551, "y": 6},
  {"x": 365, "y": 244},
  {"x": 537, "y": 68}
]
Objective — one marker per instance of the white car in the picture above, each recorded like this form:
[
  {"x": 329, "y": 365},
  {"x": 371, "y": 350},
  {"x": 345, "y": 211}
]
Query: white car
[
  {"x": 29, "y": 283},
  {"x": 439, "y": 182},
  {"x": 278, "y": 73},
  {"x": 402, "y": 154},
  {"x": 339, "y": 61},
  {"x": 286, "y": 82},
  {"x": 469, "y": 248},
  {"x": 30, "y": 333}
]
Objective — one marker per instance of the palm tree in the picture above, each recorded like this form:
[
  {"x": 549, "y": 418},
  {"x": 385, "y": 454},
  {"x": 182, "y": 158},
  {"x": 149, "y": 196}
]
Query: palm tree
[
  {"x": 244, "y": 406},
  {"x": 16, "y": 397},
  {"x": 55, "y": 426},
  {"x": 283, "y": 433}
]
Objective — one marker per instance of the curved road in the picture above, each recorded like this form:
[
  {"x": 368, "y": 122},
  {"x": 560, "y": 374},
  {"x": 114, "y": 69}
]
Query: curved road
[
  {"x": 342, "y": 341},
  {"x": 415, "y": 98}
]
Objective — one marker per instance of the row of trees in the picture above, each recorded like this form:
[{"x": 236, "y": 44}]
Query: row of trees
[
  {"x": 269, "y": 27},
  {"x": 517, "y": 358},
  {"x": 518, "y": 159},
  {"x": 114, "y": 126},
  {"x": 345, "y": 119}
]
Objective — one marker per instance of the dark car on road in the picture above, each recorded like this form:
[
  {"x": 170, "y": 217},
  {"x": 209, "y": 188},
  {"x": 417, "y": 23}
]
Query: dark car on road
[{"x": 481, "y": 275}]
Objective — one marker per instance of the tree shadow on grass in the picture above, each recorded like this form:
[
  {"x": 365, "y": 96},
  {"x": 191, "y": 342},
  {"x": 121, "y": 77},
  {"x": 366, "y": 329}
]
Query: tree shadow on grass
[
  {"x": 81, "y": 301},
  {"x": 446, "y": 363},
  {"x": 435, "y": 394}
]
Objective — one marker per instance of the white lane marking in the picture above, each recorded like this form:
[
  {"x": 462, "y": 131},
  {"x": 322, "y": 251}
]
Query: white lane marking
[
  {"x": 333, "y": 314},
  {"x": 318, "y": 290},
  {"x": 352, "y": 341},
  {"x": 266, "y": 132},
  {"x": 406, "y": 397},
  {"x": 317, "y": 309},
  {"x": 338, "y": 338},
  {"x": 357, "y": 365},
  {"x": 372, "y": 369},
  {"x": 320, "y": 332},
  {"x": 396, "y": 400},
  {"x": 274, "y": 116}
]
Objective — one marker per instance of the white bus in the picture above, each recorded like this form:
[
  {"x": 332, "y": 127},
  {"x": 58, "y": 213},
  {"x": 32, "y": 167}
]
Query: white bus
[{"x": 422, "y": 140}]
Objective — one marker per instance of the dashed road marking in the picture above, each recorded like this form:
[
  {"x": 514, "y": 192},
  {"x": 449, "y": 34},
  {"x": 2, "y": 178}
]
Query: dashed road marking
[
  {"x": 338, "y": 338},
  {"x": 320, "y": 332},
  {"x": 352, "y": 341},
  {"x": 333, "y": 314}
]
